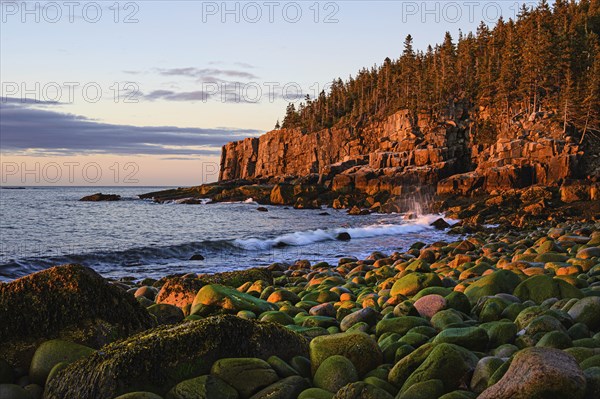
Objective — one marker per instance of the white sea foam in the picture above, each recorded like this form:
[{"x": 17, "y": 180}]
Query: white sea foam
[{"x": 300, "y": 238}]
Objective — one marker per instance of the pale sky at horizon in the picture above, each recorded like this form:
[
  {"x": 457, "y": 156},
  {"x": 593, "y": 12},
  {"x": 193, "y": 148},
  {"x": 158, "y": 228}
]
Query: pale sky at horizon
[{"x": 143, "y": 83}]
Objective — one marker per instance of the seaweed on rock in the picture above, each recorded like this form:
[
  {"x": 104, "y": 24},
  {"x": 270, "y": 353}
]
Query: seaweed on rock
[
  {"x": 158, "y": 359},
  {"x": 69, "y": 301}
]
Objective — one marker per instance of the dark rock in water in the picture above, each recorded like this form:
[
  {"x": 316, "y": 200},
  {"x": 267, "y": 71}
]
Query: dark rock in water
[
  {"x": 101, "y": 197},
  {"x": 280, "y": 244},
  {"x": 72, "y": 302},
  {"x": 262, "y": 209},
  {"x": 357, "y": 211},
  {"x": 197, "y": 257},
  {"x": 324, "y": 214},
  {"x": 191, "y": 201},
  {"x": 158, "y": 359},
  {"x": 344, "y": 236},
  {"x": 440, "y": 224}
]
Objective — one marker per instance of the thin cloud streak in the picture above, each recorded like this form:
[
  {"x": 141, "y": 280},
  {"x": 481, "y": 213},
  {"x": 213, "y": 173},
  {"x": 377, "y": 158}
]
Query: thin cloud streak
[{"x": 30, "y": 130}]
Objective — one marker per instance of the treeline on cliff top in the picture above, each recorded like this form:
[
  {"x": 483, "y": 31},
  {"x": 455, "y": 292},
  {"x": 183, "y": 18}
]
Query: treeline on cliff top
[{"x": 546, "y": 59}]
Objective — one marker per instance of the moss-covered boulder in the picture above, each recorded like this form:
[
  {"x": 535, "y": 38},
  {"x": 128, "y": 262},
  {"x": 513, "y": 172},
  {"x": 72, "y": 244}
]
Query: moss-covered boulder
[
  {"x": 158, "y": 359},
  {"x": 287, "y": 388},
  {"x": 500, "y": 332},
  {"x": 139, "y": 395},
  {"x": 367, "y": 315},
  {"x": 359, "y": 348},
  {"x": 362, "y": 390},
  {"x": 430, "y": 389},
  {"x": 408, "y": 364},
  {"x": 587, "y": 311},
  {"x": 315, "y": 393},
  {"x": 400, "y": 325},
  {"x": 540, "y": 373},
  {"x": 215, "y": 297},
  {"x": 52, "y": 352},
  {"x": 165, "y": 313},
  {"x": 472, "y": 338},
  {"x": 449, "y": 363},
  {"x": 501, "y": 281},
  {"x": 486, "y": 367},
  {"x": 412, "y": 283},
  {"x": 246, "y": 375},
  {"x": 13, "y": 391},
  {"x": 203, "y": 387},
  {"x": 71, "y": 302},
  {"x": 335, "y": 372},
  {"x": 542, "y": 287}
]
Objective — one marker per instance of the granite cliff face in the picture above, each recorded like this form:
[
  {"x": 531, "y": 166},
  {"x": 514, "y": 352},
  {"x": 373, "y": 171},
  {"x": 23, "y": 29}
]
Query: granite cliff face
[{"x": 384, "y": 164}]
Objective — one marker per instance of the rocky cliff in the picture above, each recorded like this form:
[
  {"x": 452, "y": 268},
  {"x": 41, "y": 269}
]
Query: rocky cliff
[{"x": 383, "y": 164}]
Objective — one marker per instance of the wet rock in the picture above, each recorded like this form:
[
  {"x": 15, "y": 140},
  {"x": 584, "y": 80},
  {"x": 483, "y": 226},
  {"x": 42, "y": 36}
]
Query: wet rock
[
  {"x": 215, "y": 297},
  {"x": 246, "y": 375},
  {"x": 440, "y": 224},
  {"x": 12, "y": 391},
  {"x": 72, "y": 302},
  {"x": 343, "y": 236},
  {"x": 587, "y": 311},
  {"x": 400, "y": 325},
  {"x": 315, "y": 393},
  {"x": 542, "y": 287},
  {"x": 196, "y": 257},
  {"x": 539, "y": 373},
  {"x": 168, "y": 355},
  {"x": 361, "y": 390},
  {"x": 287, "y": 388},
  {"x": 203, "y": 387},
  {"x": 359, "y": 348},
  {"x": 429, "y": 305},
  {"x": 501, "y": 281},
  {"x": 262, "y": 209},
  {"x": 430, "y": 389},
  {"x": 472, "y": 338},
  {"x": 335, "y": 372},
  {"x": 366, "y": 315},
  {"x": 52, "y": 352},
  {"x": 181, "y": 291},
  {"x": 484, "y": 370},
  {"x": 166, "y": 314},
  {"x": 101, "y": 197},
  {"x": 449, "y": 363},
  {"x": 412, "y": 283},
  {"x": 588, "y": 253}
]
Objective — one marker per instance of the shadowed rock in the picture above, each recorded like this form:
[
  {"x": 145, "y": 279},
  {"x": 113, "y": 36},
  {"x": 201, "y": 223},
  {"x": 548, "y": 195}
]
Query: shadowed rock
[
  {"x": 101, "y": 197},
  {"x": 158, "y": 359},
  {"x": 72, "y": 302}
]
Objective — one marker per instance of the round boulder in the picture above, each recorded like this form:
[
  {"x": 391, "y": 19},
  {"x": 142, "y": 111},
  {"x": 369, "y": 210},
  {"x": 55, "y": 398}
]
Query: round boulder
[
  {"x": 334, "y": 373},
  {"x": 540, "y": 373}
]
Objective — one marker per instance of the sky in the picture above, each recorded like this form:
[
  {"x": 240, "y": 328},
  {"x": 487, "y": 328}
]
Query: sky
[{"x": 146, "y": 92}]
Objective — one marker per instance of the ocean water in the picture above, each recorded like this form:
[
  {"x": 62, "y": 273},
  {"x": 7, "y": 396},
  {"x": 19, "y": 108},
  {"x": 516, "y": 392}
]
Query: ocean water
[{"x": 45, "y": 226}]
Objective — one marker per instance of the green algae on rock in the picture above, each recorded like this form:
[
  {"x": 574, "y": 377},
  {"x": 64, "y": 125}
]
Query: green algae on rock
[
  {"x": 358, "y": 347},
  {"x": 190, "y": 349},
  {"x": 71, "y": 302}
]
